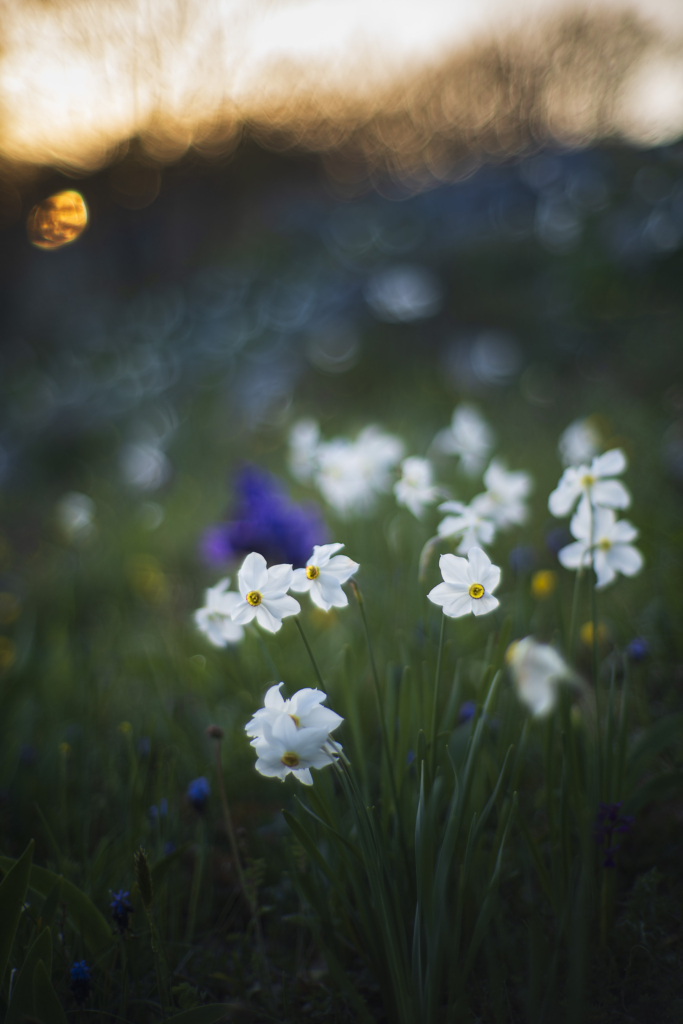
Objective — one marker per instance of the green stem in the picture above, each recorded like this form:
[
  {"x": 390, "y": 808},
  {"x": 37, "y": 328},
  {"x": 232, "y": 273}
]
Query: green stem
[
  {"x": 250, "y": 898},
  {"x": 436, "y": 694},
  {"x": 573, "y": 624},
  {"x": 382, "y": 723},
  {"x": 196, "y": 883},
  {"x": 157, "y": 963},
  {"x": 124, "y": 969},
  {"x": 310, "y": 652}
]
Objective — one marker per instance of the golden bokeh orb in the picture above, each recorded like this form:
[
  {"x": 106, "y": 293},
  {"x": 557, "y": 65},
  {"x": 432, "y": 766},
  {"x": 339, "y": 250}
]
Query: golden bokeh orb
[{"x": 57, "y": 220}]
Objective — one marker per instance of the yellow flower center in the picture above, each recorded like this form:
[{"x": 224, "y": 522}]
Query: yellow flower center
[
  {"x": 290, "y": 759},
  {"x": 476, "y": 591},
  {"x": 587, "y": 480},
  {"x": 312, "y": 572},
  {"x": 604, "y": 544},
  {"x": 254, "y": 598},
  {"x": 295, "y": 719}
]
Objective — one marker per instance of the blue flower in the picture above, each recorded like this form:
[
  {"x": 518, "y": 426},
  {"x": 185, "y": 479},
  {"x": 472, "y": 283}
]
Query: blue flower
[
  {"x": 609, "y": 821},
  {"x": 557, "y": 538},
  {"x": 198, "y": 792},
  {"x": 467, "y": 711},
  {"x": 143, "y": 746},
  {"x": 121, "y": 908},
  {"x": 265, "y": 520},
  {"x": 158, "y": 812},
  {"x": 638, "y": 648},
  {"x": 81, "y": 981},
  {"x": 523, "y": 558}
]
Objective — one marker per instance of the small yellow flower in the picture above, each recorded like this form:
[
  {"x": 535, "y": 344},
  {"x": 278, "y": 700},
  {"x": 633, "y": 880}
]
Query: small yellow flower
[
  {"x": 543, "y": 584},
  {"x": 64, "y": 749},
  {"x": 8, "y": 653},
  {"x": 125, "y": 728},
  {"x": 586, "y": 633}
]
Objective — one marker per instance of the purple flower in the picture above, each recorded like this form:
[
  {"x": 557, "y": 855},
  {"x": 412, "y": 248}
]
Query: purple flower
[
  {"x": 523, "y": 558},
  {"x": 609, "y": 821},
  {"x": 265, "y": 520},
  {"x": 556, "y": 538}
]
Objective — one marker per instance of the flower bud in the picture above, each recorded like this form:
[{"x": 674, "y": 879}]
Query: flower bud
[{"x": 214, "y": 732}]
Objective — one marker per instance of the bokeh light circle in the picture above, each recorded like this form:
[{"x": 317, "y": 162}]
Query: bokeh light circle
[{"x": 57, "y": 220}]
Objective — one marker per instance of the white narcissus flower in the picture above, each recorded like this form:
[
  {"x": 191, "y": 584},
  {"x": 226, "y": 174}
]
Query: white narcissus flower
[
  {"x": 304, "y": 439},
  {"x": 282, "y": 748},
  {"x": 468, "y": 436},
  {"x": 303, "y": 708},
  {"x": 505, "y": 496},
  {"x": 214, "y": 619},
  {"x": 323, "y": 576},
  {"x": 475, "y": 528},
  {"x": 416, "y": 487},
  {"x": 468, "y": 584},
  {"x": 579, "y": 443},
  {"x": 593, "y": 483},
  {"x": 609, "y": 549},
  {"x": 264, "y": 593},
  {"x": 351, "y": 474},
  {"x": 537, "y": 670}
]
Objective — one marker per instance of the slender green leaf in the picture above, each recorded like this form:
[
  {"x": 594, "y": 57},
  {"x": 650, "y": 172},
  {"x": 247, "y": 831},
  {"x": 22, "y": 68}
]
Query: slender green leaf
[
  {"x": 84, "y": 915},
  {"x": 664, "y": 733},
  {"x": 21, "y": 1003},
  {"x": 12, "y": 895},
  {"x": 46, "y": 1005},
  {"x": 50, "y": 904},
  {"x": 308, "y": 844}
]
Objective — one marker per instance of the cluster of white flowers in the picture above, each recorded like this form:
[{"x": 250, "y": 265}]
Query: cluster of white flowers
[
  {"x": 501, "y": 506},
  {"x": 349, "y": 474},
  {"x": 263, "y": 593},
  {"x": 294, "y": 735},
  {"x": 602, "y": 541}
]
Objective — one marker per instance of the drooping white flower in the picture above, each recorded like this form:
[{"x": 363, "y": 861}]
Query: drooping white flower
[
  {"x": 468, "y": 584},
  {"x": 537, "y": 670},
  {"x": 468, "y": 522},
  {"x": 579, "y": 443},
  {"x": 468, "y": 436},
  {"x": 352, "y": 474},
  {"x": 609, "y": 548},
  {"x": 214, "y": 618},
  {"x": 304, "y": 709},
  {"x": 592, "y": 482},
  {"x": 304, "y": 438},
  {"x": 264, "y": 593},
  {"x": 504, "y": 500},
  {"x": 324, "y": 575},
  {"x": 416, "y": 488},
  {"x": 283, "y": 748}
]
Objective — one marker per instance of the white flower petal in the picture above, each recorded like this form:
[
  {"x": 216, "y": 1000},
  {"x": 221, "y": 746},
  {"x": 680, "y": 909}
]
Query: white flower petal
[
  {"x": 281, "y": 606},
  {"x": 623, "y": 532},
  {"x": 242, "y": 613},
  {"x": 625, "y": 559},
  {"x": 341, "y": 567},
  {"x": 610, "y": 493},
  {"x": 300, "y": 582},
  {"x": 479, "y": 564},
  {"x": 484, "y": 604},
  {"x": 266, "y": 619},
  {"x": 279, "y": 580},
  {"x": 273, "y": 698},
  {"x": 253, "y": 574},
  {"x": 303, "y": 775},
  {"x": 457, "y": 606},
  {"x": 612, "y": 463},
  {"x": 454, "y": 569},
  {"x": 574, "y": 556},
  {"x": 322, "y": 554}
]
